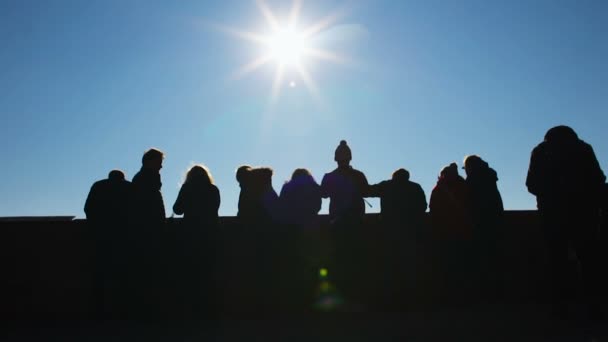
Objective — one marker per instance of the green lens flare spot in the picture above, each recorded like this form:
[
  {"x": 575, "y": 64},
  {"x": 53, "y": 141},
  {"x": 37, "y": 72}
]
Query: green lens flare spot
[{"x": 323, "y": 272}]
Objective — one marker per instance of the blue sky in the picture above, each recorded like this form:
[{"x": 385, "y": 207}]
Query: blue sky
[{"x": 88, "y": 86}]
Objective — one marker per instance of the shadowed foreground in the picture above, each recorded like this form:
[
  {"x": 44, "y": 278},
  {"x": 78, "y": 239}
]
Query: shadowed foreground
[{"x": 48, "y": 283}]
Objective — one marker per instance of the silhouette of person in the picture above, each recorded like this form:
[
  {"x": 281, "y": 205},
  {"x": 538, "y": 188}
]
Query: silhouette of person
[
  {"x": 403, "y": 204},
  {"x": 149, "y": 208},
  {"x": 243, "y": 174},
  {"x": 346, "y": 187},
  {"x": 259, "y": 243},
  {"x": 486, "y": 211},
  {"x": 567, "y": 181},
  {"x": 107, "y": 211},
  {"x": 147, "y": 266},
  {"x": 195, "y": 268},
  {"x": 449, "y": 206},
  {"x": 108, "y": 200},
  {"x": 198, "y": 199},
  {"x": 452, "y": 232},
  {"x": 300, "y": 199},
  {"x": 258, "y": 201},
  {"x": 401, "y": 200}
]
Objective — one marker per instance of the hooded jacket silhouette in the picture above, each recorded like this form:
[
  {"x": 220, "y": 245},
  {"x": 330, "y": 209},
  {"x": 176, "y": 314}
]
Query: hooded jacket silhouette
[
  {"x": 258, "y": 201},
  {"x": 449, "y": 205},
  {"x": 485, "y": 202},
  {"x": 567, "y": 180},
  {"x": 564, "y": 173}
]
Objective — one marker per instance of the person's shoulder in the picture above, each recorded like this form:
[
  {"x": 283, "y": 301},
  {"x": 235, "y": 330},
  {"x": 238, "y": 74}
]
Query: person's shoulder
[
  {"x": 99, "y": 183},
  {"x": 415, "y": 185},
  {"x": 357, "y": 173},
  {"x": 137, "y": 177},
  {"x": 540, "y": 148}
]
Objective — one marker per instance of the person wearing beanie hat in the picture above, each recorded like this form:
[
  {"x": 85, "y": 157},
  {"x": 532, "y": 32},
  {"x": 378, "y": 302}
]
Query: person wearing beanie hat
[
  {"x": 343, "y": 152},
  {"x": 345, "y": 186}
]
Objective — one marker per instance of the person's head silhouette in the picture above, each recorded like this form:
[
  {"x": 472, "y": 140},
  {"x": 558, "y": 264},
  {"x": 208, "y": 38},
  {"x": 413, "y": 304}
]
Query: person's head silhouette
[
  {"x": 560, "y": 135},
  {"x": 199, "y": 174},
  {"x": 449, "y": 172},
  {"x": 343, "y": 154},
  {"x": 297, "y": 173},
  {"x": 116, "y": 176},
  {"x": 401, "y": 175},
  {"x": 153, "y": 160},
  {"x": 473, "y": 164},
  {"x": 243, "y": 174}
]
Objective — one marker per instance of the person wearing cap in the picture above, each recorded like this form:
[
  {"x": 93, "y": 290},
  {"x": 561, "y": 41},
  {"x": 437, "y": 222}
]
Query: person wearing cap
[
  {"x": 486, "y": 212},
  {"x": 345, "y": 186},
  {"x": 567, "y": 180}
]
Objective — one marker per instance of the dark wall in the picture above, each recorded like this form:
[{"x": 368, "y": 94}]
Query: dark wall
[{"x": 47, "y": 266}]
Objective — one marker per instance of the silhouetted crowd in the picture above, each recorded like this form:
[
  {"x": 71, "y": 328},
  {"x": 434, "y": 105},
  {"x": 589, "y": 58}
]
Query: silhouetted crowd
[{"x": 282, "y": 244}]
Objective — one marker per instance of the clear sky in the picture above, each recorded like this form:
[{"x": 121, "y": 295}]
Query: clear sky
[{"x": 88, "y": 86}]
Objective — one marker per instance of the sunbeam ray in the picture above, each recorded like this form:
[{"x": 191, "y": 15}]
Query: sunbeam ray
[
  {"x": 245, "y": 35},
  {"x": 267, "y": 13},
  {"x": 294, "y": 14},
  {"x": 327, "y": 55},
  {"x": 309, "y": 83},
  {"x": 276, "y": 84},
  {"x": 251, "y": 66}
]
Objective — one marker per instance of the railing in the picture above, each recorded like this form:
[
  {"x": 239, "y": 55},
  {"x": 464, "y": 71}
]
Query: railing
[{"x": 48, "y": 264}]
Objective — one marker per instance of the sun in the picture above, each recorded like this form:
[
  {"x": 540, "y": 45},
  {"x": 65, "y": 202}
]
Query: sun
[{"x": 287, "y": 46}]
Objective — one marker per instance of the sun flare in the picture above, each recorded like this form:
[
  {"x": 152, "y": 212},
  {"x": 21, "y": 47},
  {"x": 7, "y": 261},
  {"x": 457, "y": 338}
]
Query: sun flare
[{"x": 287, "y": 47}]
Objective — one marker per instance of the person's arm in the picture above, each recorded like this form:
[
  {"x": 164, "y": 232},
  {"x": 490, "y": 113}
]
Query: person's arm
[
  {"x": 375, "y": 190},
  {"x": 534, "y": 182},
  {"x": 421, "y": 199},
  {"x": 91, "y": 205},
  {"x": 216, "y": 198},
  {"x": 325, "y": 186},
  {"x": 178, "y": 207},
  {"x": 364, "y": 186}
]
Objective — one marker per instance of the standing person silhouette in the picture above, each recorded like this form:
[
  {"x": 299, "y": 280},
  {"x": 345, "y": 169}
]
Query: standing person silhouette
[
  {"x": 198, "y": 199},
  {"x": 300, "y": 200},
  {"x": 403, "y": 205},
  {"x": 107, "y": 210},
  {"x": 486, "y": 212},
  {"x": 567, "y": 181},
  {"x": 148, "y": 219},
  {"x": 452, "y": 234},
  {"x": 149, "y": 208},
  {"x": 402, "y": 201},
  {"x": 196, "y": 264},
  {"x": 346, "y": 187}
]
